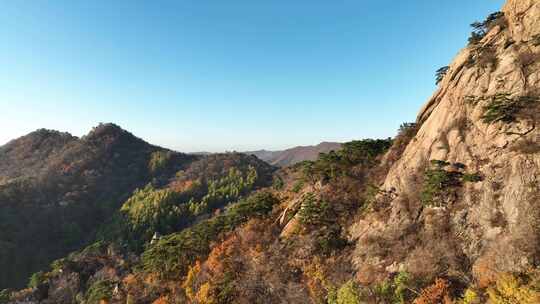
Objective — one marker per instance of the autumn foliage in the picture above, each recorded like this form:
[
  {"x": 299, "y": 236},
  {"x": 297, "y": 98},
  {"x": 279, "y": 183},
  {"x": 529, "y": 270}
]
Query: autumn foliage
[{"x": 438, "y": 293}]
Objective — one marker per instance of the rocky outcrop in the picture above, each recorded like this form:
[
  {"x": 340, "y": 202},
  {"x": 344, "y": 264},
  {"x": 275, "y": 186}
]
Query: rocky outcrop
[{"x": 491, "y": 225}]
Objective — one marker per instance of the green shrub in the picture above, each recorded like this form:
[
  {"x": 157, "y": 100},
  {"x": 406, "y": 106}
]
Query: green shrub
[
  {"x": 480, "y": 29},
  {"x": 348, "y": 293},
  {"x": 329, "y": 239},
  {"x": 277, "y": 183},
  {"x": 472, "y": 177},
  {"x": 399, "y": 290},
  {"x": 334, "y": 164},
  {"x": 313, "y": 212},
  {"x": 402, "y": 289},
  {"x": 159, "y": 161},
  {"x": 364, "y": 151},
  {"x": 439, "y": 163},
  {"x": 439, "y": 183},
  {"x": 501, "y": 107},
  {"x": 226, "y": 288},
  {"x": 475, "y": 38},
  {"x": 96, "y": 248},
  {"x": 298, "y": 185},
  {"x": 384, "y": 292},
  {"x": 172, "y": 255},
  {"x": 99, "y": 290},
  {"x": 406, "y": 133},
  {"x": 484, "y": 55},
  {"x": 440, "y": 73},
  {"x": 407, "y": 129},
  {"x": 37, "y": 279},
  {"x": 331, "y": 295},
  {"x": 318, "y": 217},
  {"x": 60, "y": 265},
  {"x": 4, "y": 296}
]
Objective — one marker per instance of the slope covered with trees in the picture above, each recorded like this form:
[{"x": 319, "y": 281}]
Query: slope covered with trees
[
  {"x": 59, "y": 193},
  {"x": 445, "y": 212},
  {"x": 55, "y": 189}
]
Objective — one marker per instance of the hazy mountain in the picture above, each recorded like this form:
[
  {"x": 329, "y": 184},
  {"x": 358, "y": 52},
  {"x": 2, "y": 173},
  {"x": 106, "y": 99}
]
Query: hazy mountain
[{"x": 295, "y": 155}]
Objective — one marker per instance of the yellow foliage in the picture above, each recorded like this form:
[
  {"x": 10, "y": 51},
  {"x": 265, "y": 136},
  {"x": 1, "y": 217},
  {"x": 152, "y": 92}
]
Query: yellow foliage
[
  {"x": 510, "y": 289},
  {"x": 316, "y": 271},
  {"x": 470, "y": 297},
  {"x": 188, "y": 284},
  {"x": 130, "y": 299},
  {"x": 317, "y": 279},
  {"x": 204, "y": 295}
]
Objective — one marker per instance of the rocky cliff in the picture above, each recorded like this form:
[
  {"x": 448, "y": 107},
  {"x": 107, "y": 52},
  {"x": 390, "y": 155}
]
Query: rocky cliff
[{"x": 480, "y": 133}]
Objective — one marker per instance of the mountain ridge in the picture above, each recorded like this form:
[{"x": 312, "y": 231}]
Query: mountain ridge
[{"x": 291, "y": 156}]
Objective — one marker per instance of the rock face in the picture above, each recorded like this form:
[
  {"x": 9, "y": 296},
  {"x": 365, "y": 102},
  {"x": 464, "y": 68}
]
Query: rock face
[{"x": 491, "y": 225}]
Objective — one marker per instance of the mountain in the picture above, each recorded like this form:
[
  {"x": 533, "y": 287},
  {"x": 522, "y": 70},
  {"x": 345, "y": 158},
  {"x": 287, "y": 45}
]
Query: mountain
[
  {"x": 295, "y": 155},
  {"x": 57, "y": 191},
  {"x": 445, "y": 212},
  {"x": 462, "y": 200},
  {"x": 55, "y": 188}
]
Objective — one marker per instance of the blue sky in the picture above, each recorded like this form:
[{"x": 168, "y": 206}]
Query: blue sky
[{"x": 226, "y": 75}]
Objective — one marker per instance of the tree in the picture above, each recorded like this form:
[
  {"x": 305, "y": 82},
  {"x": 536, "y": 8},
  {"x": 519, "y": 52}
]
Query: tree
[
  {"x": 37, "y": 279},
  {"x": 438, "y": 293},
  {"x": 480, "y": 29},
  {"x": 440, "y": 73}
]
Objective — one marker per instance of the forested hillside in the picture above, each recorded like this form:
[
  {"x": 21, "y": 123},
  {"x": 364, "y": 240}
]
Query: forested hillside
[
  {"x": 56, "y": 188},
  {"x": 59, "y": 192},
  {"x": 446, "y": 211}
]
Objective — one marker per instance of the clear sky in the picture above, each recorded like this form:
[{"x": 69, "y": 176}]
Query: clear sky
[{"x": 204, "y": 75}]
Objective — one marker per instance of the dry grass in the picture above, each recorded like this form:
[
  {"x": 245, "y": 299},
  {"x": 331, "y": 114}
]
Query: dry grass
[
  {"x": 487, "y": 57},
  {"x": 525, "y": 59},
  {"x": 526, "y": 146}
]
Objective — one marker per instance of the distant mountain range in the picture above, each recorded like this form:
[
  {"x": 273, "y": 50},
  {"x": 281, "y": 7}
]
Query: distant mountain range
[{"x": 295, "y": 155}]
